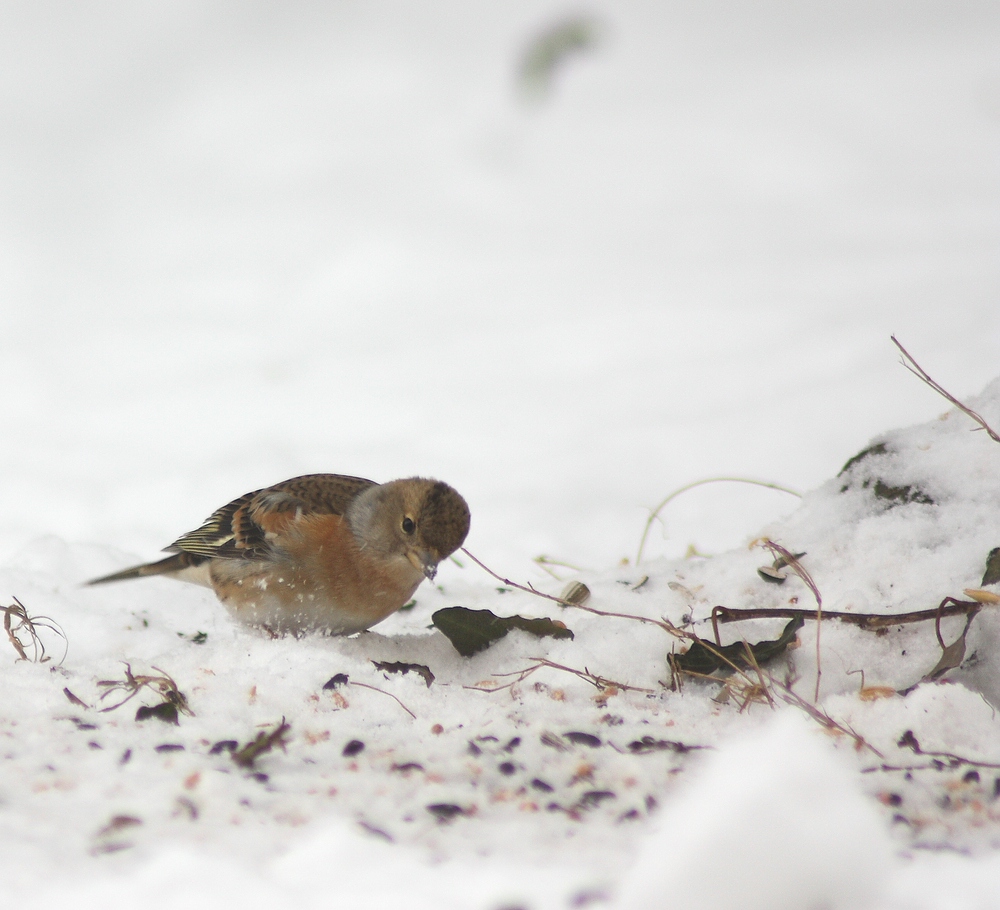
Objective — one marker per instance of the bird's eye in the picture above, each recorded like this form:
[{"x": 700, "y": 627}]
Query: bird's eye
[{"x": 409, "y": 525}]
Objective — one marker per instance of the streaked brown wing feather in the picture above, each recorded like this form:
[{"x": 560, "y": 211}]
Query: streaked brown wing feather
[
  {"x": 245, "y": 527},
  {"x": 215, "y": 533}
]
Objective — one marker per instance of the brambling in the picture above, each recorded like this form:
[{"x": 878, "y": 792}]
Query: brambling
[{"x": 321, "y": 552}]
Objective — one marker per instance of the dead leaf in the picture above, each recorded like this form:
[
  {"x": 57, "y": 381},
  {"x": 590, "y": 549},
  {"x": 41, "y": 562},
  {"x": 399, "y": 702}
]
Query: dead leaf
[
  {"x": 992, "y": 574},
  {"x": 472, "y": 631},
  {"x": 399, "y": 666},
  {"x": 951, "y": 656},
  {"x": 705, "y": 658}
]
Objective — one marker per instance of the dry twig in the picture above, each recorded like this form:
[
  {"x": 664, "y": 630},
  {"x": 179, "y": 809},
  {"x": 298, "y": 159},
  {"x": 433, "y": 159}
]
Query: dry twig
[
  {"x": 791, "y": 697},
  {"x": 664, "y": 624},
  {"x": 868, "y": 621},
  {"x": 919, "y": 371},
  {"x": 393, "y": 697},
  {"x": 792, "y": 562},
  {"x": 751, "y": 689},
  {"x": 744, "y": 687},
  {"x": 17, "y": 622},
  {"x": 163, "y": 685},
  {"x": 939, "y": 760},
  {"x": 513, "y": 584},
  {"x": 761, "y": 687},
  {"x": 599, "y": 682}
]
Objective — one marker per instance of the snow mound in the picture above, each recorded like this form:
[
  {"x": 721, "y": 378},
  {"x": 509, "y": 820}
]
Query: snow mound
[{"x": 775, "y": 818}]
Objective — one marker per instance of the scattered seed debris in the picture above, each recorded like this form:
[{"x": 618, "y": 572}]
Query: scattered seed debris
[
  {"x": 649, "y": 744},
  {"x": 119, "y": 823},
  {"x": 354, "y": 747},
  {"x": 576, "y": 592},
  {"x": 74, "y": 700},
  {"x": 583, "y": 739},
  {"x": 264, "y": 742},
  {"x": 593, "y": 798},
  {"x": 377, "y": 832},
  {"x": 165, "y": 711},
  {"x": 224, "y": 745},
  {"x": 553, "y": 741},
  {"x": 445, "y": 812}
]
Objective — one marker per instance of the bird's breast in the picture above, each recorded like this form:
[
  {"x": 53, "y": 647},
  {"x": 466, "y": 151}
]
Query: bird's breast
[{"x": 319, "y": 579}]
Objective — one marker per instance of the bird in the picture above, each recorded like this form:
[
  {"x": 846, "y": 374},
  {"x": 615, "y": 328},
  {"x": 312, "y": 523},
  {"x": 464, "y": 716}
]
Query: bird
[{"x": 326, "y": 553}]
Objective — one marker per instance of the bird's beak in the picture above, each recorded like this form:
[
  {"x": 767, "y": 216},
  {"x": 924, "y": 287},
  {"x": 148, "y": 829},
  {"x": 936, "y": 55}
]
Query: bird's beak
[{"x": 423, "y": 561}]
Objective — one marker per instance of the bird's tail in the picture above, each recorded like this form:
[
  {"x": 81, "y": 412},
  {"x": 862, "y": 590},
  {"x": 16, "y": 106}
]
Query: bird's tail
[{"x": 172, "y": 565}]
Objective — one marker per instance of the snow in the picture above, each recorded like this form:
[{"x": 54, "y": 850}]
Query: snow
[
  {"x": 751, "y": 827},
  {"x": 244, "y": 242}
]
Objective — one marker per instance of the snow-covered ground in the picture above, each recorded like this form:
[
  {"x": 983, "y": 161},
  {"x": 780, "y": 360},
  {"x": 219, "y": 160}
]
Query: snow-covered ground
[{"x": 240, "y": 242}]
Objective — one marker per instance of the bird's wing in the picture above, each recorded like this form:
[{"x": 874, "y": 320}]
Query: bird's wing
[{"x": 247, "y": 527}]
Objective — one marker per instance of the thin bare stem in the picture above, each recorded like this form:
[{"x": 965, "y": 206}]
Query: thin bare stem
[
  {"x": 377, "y": 689},
  {"x": 514, "y": 584},
  {"x": 599, "y": 682},
  {"x": 792, "y": 562},
  {"x": 664, "y": 624},
  {"x": 748, "y": 682},
  {"x": 520, "y": 674},
  {"x": 16, "y": 621},
  {"x": 752, "y": 658},
  {"x": 529, "y": 589},
  {"x": 545, "y": 563},
  {"x": 793, "y": 698},
  {"x": 133, "y": 684},
  {"x": 751, "y": 690},
  {"x": 15, "y": 609},
  {"x": 698, "y": 483},
  {"x": 909, "y": 741},
  {"x": 919, "y": 371},
  {"x": 868, "y": 621}
]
